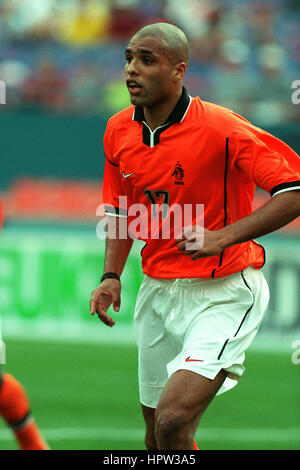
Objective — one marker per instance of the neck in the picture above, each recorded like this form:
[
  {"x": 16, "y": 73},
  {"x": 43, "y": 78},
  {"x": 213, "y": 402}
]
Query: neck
[{"x": 157, "y": 115}]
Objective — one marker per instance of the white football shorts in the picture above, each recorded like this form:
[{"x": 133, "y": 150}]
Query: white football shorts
[{"x": 202, "y": 325}]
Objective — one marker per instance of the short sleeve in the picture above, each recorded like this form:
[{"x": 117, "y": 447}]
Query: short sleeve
[
  {"x": 114, "y": 198},
  {"x": 270, "y": 169}
]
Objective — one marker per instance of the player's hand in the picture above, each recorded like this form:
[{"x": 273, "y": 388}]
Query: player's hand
[
  {"x": 107, "y": 293},
  {"x": 212, "y": 244}
]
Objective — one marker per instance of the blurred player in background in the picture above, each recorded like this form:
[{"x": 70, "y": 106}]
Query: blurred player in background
[
  {"x": 15, "y": 407},
  {"x": 197, "y": 310}
]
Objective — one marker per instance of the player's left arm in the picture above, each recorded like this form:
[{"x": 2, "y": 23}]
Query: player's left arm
[
  {"x": 272, "y": 166},
  {"x": 279, "y": 211}
]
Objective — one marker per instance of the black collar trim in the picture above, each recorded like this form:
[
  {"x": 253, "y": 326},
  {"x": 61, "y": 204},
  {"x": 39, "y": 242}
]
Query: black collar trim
[{"x": 177, "y": 115}]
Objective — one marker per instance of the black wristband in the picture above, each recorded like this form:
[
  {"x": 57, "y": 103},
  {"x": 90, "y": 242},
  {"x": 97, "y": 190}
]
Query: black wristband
[{"x": 110, "y": 276}]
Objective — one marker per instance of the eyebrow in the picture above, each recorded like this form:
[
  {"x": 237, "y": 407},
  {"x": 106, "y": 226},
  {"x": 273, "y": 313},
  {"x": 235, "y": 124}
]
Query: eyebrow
[{"x": 142, "y": 51}]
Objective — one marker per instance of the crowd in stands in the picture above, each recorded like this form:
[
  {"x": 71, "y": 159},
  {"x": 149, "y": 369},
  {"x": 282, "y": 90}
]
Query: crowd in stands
[{"x": 67, "y": 56}]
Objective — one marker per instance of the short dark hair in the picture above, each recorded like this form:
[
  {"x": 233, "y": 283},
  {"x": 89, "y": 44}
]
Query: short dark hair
[{"x": 176, "y": 44}]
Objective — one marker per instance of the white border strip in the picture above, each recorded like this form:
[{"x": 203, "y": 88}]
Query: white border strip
[{"x": 274, "y": 435}]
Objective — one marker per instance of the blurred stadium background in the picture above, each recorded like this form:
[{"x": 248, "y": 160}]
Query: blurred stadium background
[{"x": 62, "y": 64}]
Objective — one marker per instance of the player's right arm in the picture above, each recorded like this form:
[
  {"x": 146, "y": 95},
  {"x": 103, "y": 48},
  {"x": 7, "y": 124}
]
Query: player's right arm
[
  {"x": 117, "y": 248},
  {"x": 109, "y": 290}
]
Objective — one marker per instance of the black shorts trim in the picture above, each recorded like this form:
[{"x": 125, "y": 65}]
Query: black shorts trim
[{"x": 243, "y": 319}]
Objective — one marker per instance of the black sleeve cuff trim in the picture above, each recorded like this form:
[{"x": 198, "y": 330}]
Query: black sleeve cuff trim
[
  {"x": 112, "y": 163},
  {"x": 110, "y": 210},
  {"x": 287, "y": 186}
]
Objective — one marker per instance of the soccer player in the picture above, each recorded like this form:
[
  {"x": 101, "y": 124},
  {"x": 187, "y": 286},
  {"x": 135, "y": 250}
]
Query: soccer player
[
  {"x": 198, "y": 309},
  {"x": 15, "y": 407}
]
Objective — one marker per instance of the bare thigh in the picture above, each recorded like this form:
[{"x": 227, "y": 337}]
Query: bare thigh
[
  {"x": 149, "y": 417},
  {"x": 189, "y": 394},
  {"x": 184, "y": 399},
  {"x": 181, "y": 405}
]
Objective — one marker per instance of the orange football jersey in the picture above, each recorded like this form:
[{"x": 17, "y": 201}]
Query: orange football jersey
[{"x": 203, "y": 154}]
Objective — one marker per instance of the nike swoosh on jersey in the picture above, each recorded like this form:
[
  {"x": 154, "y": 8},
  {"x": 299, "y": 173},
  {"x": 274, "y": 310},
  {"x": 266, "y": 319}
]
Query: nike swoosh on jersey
[
  {"x": 127, "y": 176},
  {"x": 188, "y": 359}
]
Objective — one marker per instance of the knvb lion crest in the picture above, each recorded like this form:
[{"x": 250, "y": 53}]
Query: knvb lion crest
[{"x": 178, "y": 173}]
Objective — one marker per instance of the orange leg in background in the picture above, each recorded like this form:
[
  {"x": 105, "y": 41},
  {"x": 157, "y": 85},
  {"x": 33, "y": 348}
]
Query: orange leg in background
[{"x": 15, "y": 410}]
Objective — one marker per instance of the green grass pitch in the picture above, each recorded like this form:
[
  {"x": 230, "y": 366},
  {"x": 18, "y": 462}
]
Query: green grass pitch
[{"x": 85, "y": 396}]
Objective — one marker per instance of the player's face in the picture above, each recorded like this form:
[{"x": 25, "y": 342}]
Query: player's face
[{"x": 148, "y": 71}]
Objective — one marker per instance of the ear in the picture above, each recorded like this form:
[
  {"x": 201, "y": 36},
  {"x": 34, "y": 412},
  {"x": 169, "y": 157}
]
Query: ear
[{"x": 179, "y": 71}]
